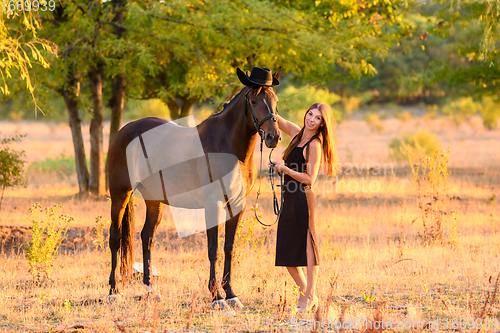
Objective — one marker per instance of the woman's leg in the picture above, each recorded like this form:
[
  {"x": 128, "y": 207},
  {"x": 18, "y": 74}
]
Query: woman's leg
[
  {"x": 299, "y": 278},
  {"x": 312, "y": 269}
]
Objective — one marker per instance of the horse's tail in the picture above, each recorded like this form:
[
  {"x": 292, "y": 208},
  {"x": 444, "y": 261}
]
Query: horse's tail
[{"x": 127, "y": 240}]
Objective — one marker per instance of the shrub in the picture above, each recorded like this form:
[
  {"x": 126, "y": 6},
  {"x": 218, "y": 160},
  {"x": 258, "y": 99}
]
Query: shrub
[
  {"x": 351, "y": 103},
  {"x": 11, "y": 164},
  {"x": 431, "y": 174},
  {"x": 418, "y": 145},
  {"x": 99, "y": 240},
  {"x": 461, "y": 109},
  {"x": 404, "y": 116},
  {"x": 48, "y": 230},
  {"x": 373, "y": 120}
]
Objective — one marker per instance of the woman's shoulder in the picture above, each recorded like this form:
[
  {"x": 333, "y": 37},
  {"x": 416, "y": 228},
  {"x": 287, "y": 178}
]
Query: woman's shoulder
[
  {"x": 315, "y": 144},
  {"x": 315, "y": 140}
]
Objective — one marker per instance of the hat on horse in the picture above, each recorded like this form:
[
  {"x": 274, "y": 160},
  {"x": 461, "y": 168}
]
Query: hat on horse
[{"x": 259, "y": 76}]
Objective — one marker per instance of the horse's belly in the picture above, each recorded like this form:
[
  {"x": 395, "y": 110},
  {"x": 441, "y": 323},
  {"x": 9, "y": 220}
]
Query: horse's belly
[{"x": 196, "y": 183}]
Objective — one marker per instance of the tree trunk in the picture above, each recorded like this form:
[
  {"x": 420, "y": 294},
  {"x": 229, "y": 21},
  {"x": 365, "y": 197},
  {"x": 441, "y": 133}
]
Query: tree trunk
[
  {"x": 177, "y": 112},
  {"x": 117, "y": 104},
  {"x": 173, "y": 108},
  {"x": 97, "y": 180},
  {"x": 117, "y": 100},
  {"x": 70, "y": 95}
]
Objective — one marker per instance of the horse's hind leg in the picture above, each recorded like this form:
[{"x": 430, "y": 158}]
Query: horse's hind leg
[
  {"x": 154, "y": 210},
  {"x": 118, "y": 206}
]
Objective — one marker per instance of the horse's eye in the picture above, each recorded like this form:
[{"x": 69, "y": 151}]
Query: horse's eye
[{"x": 253, "y": 103}]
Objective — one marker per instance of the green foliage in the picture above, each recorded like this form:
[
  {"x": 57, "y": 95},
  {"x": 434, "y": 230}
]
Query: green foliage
[
  {"x": 20, "y": 46},
  {"x": 297, "y": 100},
  {"x": 63, "y": 165},
  {"x": 431, "y": 174},
  {"x": 11, "y": 164},
  {"x": 470, "y": 59},
  {"x": 368, "y": 298},
  {"x": 179, "y": 50},
  {"x": 417, "y": 145},
  {"x": 48, "y": 230}
]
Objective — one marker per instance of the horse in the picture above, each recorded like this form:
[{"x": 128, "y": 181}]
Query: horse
[{"x": 231, "y": 131}]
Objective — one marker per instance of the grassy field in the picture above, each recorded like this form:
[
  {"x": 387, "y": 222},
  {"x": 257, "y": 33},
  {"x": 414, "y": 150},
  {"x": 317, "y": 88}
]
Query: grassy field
[{"x": 371, "y": 253}]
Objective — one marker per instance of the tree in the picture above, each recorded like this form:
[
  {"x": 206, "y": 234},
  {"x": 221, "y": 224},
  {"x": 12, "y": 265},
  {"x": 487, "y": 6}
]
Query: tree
[
  {"x": 85, "y": 52},
  {"x": 474, "y": 57},
  {"x": 202, "y": 43},
  {"x": 183, "y": 51},
  {"x": 470, "y": 57}
]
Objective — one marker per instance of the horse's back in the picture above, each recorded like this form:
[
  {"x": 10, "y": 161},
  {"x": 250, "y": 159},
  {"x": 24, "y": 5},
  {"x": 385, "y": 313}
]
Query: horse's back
[{"x": 117, "y": 153}]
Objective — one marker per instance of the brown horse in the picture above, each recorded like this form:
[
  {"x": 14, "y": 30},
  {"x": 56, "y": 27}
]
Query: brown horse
[{"x": 231, "y": 131}]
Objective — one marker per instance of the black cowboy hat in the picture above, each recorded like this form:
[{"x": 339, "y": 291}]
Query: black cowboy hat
[{"x": 259, "y": 76}]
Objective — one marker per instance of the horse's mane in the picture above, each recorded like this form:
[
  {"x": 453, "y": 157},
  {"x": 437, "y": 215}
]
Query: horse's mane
[
  {"x": 226, "y": 104},
  {"x": 256, "y": 91}
]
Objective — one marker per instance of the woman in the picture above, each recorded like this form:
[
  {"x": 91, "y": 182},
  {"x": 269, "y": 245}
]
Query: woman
[{"x": 296, "y": 244}]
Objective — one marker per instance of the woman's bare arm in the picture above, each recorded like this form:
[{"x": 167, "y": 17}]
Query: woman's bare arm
[
  {"x": 313, "y": 164},
  {"x": 288, "y": 127}
]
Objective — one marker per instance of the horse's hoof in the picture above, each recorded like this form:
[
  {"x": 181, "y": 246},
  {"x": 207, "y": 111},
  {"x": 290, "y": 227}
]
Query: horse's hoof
[
  {"x": 155, "y": 296},
  {"x": 113, "y": 298},
  {"x": 235, "y": 303},
  {"x": 220, "y": 305}
]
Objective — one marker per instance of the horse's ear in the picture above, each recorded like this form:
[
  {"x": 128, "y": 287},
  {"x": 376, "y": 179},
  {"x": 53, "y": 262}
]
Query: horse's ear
[{"x": 277, "y": 74}]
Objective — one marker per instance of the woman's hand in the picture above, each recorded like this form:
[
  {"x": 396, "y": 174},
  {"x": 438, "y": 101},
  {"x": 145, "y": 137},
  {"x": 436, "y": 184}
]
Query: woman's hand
[{"x": 278, "y": 167}]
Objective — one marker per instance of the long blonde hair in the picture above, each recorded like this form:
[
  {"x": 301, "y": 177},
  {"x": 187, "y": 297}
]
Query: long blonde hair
[{"x": 326, "y": 135}]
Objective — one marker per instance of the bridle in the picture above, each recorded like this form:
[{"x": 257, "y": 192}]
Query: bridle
[
  {"x": 277, "y": 207},
  {"x": 258, "y": 123}
]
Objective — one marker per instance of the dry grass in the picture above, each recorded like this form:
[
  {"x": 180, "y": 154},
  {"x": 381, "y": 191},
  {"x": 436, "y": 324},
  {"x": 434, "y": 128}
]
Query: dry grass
[{"x": 366, "y": 239}]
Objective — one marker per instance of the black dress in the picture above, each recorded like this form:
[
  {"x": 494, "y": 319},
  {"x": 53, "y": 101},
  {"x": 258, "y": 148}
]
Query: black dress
[{"x": 297, "y": 217}]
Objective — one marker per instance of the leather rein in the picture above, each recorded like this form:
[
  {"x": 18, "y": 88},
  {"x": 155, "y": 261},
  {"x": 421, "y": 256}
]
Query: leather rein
[{"x": 277, "y": 207}]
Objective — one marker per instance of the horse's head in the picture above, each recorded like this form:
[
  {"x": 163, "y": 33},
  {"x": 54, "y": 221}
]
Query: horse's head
[{"x": 261, "y": 108}]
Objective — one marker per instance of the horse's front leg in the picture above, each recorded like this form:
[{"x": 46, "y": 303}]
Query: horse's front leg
[
  {"x": 212, "y": 215},
  {"x": 231, "y": 227},
  {"x": 154, "y": 210}
]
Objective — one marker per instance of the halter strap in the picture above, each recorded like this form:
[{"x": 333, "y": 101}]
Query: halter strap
[
  {"x": 259, "y": 123},
  {"x": 277, "y": 207}
]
